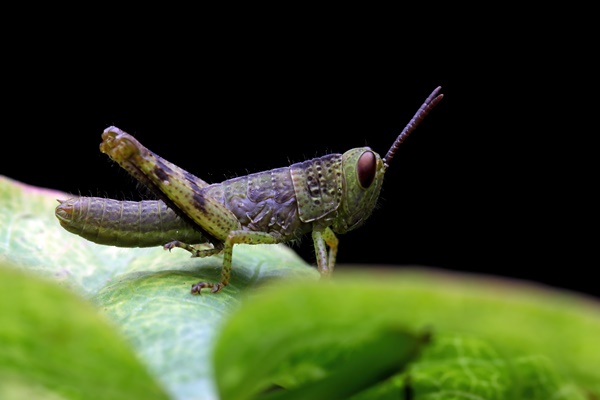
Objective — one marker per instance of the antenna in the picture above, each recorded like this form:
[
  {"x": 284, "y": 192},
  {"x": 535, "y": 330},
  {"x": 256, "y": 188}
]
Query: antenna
[{"x": 425, "y": 108}]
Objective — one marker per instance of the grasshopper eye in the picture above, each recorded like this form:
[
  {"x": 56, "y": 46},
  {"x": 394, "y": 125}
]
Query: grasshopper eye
[{"x": 366, "y": 168}]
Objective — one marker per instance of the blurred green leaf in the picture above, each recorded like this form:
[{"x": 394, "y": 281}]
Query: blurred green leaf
[
  {"x": 367, "y": 364},
  {"x": 55, "y": 345},
  {"x": 460, "y": 365},
  {"x": 491, "y": 339},
  {"x": 308, "y": 338}
]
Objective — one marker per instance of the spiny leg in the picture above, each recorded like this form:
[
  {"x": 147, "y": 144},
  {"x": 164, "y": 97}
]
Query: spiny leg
[
  {"x": 235, "y": 237},
  {"x": 325, "y": 260}
]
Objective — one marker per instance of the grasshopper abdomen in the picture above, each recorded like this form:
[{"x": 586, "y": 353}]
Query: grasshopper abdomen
[{"x": 124, "y": 223}]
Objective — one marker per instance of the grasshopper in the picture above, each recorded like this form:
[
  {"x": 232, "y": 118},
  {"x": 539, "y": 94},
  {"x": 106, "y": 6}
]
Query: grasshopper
[{"x": 326, "y": 196}]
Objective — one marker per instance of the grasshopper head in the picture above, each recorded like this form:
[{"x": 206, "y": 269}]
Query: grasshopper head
[{"x": 362, "y": 172}]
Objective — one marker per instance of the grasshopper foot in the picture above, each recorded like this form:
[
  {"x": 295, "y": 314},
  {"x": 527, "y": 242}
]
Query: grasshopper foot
[{"x": 216, "y": 287}]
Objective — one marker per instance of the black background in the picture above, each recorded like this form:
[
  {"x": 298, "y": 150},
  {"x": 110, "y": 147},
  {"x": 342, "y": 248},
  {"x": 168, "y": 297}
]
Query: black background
[{"x": 499, "y": 179}]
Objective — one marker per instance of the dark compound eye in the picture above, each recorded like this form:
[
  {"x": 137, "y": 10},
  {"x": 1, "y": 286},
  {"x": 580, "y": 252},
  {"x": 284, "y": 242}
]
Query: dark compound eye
[{"x": 366, "y": 169}]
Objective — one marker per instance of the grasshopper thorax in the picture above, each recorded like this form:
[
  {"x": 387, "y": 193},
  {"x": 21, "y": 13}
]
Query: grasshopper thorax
[{"x": 362, "y": 177}]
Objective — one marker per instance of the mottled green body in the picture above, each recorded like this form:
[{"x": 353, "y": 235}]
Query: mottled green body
[
  {"x": 124, "y": 223},
  {"x": 331, "y": 194}
]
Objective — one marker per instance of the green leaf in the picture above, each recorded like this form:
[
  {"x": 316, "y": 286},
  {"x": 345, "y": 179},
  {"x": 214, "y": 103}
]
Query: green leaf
[
  {"x": 55, "y": 345},
  {"x": 311, "y": 338},
  {"x": 490, "y": 340},
  {"x": 366, "y": 365}
]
